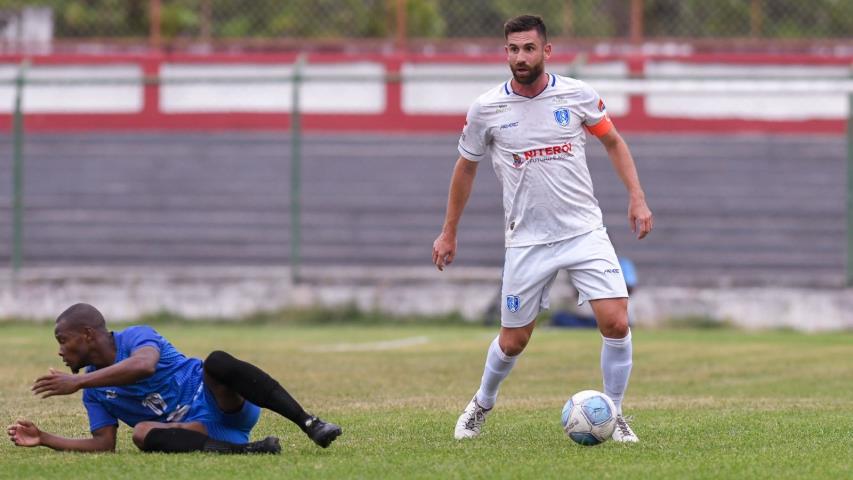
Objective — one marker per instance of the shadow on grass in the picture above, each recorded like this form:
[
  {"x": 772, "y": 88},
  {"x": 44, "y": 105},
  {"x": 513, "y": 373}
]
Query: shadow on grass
[{"x": 697, "y": 322}]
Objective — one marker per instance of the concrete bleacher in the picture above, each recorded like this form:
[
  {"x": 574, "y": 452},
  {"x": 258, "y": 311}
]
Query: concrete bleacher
[{"x": 730, "y": 210}]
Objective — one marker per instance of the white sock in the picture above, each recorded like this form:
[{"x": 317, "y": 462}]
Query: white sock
[
  {"x": 498, "y": 366},
  {"x": 616, "y": 364}
]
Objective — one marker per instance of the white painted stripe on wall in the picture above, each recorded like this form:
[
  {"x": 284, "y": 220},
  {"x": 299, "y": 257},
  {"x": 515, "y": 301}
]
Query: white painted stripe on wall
[
  {"x": 452, "y": 92},
  {"x": 125, "y": 96},
  {"x": 253, "y": 88},
  {"x": 353, "y": 96},
  {"x": 616, "y": 100},
  {"x": 744, "y": 104},
  {"x": 218, "y": 95},
  {"x": 655, "y": 69},
  {"x": 457, "y": 85}
]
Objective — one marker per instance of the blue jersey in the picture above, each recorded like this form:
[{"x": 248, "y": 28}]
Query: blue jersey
[{"x": 165, "y": 396}]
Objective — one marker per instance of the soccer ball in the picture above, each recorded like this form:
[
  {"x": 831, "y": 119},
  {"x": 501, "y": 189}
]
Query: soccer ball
[{"x": 589, "y": 417}]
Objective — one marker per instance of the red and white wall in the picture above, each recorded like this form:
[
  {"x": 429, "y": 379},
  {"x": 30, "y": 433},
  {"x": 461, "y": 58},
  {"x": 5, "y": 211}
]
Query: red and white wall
[{"x": 91, "y": 99}]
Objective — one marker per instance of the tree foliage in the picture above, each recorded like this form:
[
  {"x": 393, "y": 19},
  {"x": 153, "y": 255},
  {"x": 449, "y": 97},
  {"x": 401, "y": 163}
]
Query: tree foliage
[{"x": 233, "y": 19}]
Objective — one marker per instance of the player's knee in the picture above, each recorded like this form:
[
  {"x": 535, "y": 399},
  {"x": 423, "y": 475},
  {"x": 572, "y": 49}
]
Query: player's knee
[
  {"x": 140, "y": 431},
  {"x": 612, "y": 317},
  {"x": 514, "y": 345},
  {"x": 616, "y": 327},
  {"x": 218, "y": 364},
  {"x": 513, "y": 349}
]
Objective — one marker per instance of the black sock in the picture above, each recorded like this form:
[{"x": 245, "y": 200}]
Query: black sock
[
  {"x": 255, "y": 385},
  {"x": 179, "y": 440}
]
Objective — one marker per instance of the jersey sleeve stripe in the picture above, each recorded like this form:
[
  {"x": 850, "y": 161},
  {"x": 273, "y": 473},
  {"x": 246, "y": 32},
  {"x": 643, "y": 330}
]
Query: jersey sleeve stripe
[{"x": 470, "y": 153}]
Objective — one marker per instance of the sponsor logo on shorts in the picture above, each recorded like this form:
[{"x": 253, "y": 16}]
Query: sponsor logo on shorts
[
  {"x": 612, "y": 270},
  {"x": 155, "y": 402},
  {"x": 513, "y": 303},
  {"x": 111, "y": 394},
  {"x": 178, "y": 414}
]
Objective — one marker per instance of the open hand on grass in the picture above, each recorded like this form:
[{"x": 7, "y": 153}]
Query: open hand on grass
[{"x": 24, "y": 433}]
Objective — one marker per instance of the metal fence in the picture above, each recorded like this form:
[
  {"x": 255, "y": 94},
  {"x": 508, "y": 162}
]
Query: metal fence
[
  {"x": 92, "y": 25},
  {"x": 249, "y": 198}
]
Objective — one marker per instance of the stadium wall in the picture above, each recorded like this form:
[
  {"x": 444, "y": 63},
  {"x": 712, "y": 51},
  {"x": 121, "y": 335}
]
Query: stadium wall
[
  {"x": 126, "y": 294},
  {"x": 431, "y": 93},
  {"x": 81, "y": 93}
]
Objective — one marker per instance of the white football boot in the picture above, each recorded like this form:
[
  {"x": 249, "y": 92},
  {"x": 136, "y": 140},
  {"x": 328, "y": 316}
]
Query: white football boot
[
  {"x": 623, "y": 432},
  {"x": 471, "y": 421}
]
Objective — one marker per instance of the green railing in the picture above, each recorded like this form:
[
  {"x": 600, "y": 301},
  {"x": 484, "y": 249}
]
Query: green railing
[
  {"x": 18, "y": 171},
  {"x": 296, "y": 172},
  {"x": 849, "y": 270}
]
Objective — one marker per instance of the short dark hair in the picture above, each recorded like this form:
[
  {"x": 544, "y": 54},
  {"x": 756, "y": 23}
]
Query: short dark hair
[
  {"x": 81, "y": 315},
  {"x": 525, "y": 23}
]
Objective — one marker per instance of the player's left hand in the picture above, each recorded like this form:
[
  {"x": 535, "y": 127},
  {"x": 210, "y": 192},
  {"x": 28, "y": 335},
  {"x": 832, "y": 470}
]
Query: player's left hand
[
  {"x": 640, "y": 217},
  {"x": 443, "y": 250},
  {"x": 56, "y": 383}
]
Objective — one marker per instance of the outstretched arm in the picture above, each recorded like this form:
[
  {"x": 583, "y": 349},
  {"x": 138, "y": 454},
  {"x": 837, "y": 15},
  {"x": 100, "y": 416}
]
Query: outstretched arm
[
  {"x": 444, "y": 247},
  {"x": 25, "y": 433},
  {"x": 639, "y": 215},
  {"x": 140, "y": 364}
]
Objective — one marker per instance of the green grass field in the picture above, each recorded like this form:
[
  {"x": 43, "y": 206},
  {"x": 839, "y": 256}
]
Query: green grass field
[{"x": 706, "y": 404}]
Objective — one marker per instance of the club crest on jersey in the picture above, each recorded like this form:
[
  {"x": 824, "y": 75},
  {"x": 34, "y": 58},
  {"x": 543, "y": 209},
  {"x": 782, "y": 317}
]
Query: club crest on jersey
[
  {"x": 513, "y": 303},
  {"x": 561, "y": 116}
]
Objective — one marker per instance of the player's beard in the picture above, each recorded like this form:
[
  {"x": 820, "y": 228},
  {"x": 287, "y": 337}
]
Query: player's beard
[{"x": 533, "y": 73}]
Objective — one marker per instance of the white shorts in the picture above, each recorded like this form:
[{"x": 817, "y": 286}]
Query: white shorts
[{"x": 529, "y": 272}]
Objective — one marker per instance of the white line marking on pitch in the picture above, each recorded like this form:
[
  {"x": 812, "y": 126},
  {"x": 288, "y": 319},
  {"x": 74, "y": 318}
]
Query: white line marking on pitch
[{"x": 369, "y": 347}]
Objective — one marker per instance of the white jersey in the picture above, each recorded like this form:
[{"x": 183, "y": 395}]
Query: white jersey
[{"x": 536, "y": 146}]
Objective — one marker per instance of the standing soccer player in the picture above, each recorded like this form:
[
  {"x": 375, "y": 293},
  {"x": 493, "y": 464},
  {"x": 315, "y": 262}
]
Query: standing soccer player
[{"x": 532, "y": 128}]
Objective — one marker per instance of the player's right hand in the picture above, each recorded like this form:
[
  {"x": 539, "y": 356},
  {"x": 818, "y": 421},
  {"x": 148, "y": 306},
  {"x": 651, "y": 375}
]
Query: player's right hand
[
  {"x": 24, "y": 433},
  {"x": 443, "y": 250},
  {"x": 56, "y": 383}
]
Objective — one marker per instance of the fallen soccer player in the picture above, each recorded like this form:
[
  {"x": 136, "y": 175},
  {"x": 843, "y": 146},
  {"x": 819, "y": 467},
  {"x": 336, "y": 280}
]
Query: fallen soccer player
[{"x": 173, "y": 402}]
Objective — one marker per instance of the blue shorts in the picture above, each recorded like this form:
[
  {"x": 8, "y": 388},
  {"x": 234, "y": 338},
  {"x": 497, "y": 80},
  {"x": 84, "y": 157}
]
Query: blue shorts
[{"x": 229, "y": 427}]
